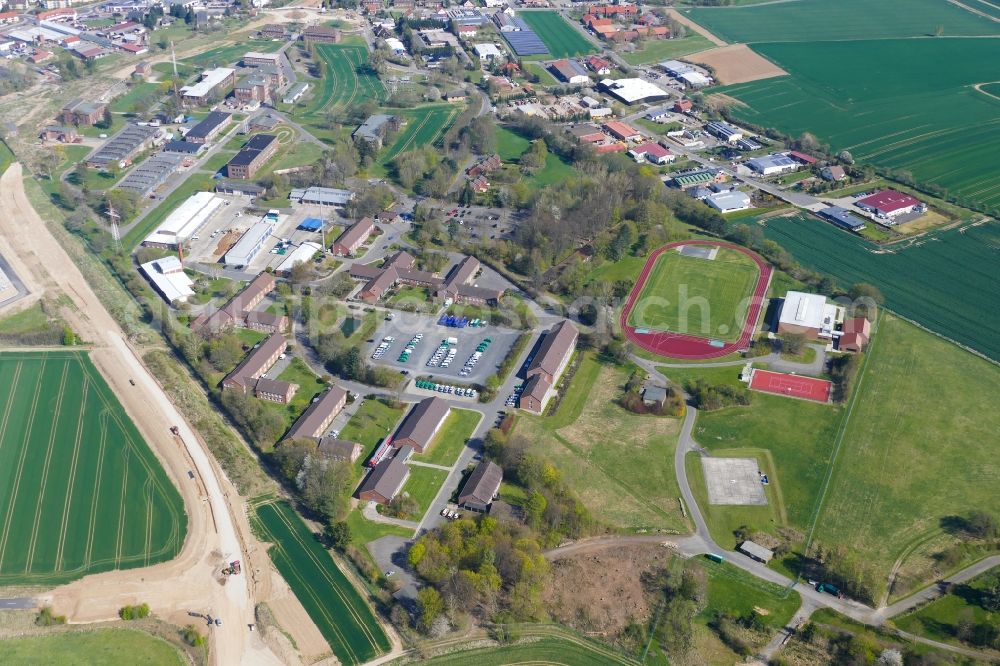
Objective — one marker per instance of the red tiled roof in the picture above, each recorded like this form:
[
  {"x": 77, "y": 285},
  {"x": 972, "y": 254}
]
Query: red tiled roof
[
  {"x": 802, "y": 157},
  {"x": 889, "y": 201}
]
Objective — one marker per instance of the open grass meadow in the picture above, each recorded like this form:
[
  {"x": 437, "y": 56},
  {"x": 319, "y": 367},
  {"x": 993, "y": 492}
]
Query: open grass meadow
[
  {"x": 620, "y": 464},
  {"x": 939, "y": 619},
  {"x": 343, "y": 617},
  {"x": 221, "y": 56},
  {"x": 708, "y": 298},
  {"x": 852, "y": 20},
  {"x": 123, "y": 103},
  {"x": 91, "y": 496},
  {"x": 110, "y": 647},
  {"x": 560, "y": 37},
  {"x": 542, "y": 644},
  {"x": 734, "y": 591},
  {"x": 658, "y": 50},
  {"x": 946, "y": 280},
  {"x": 346, "y": 80},
  {"x": 920, "y": 446},
  {"x": 450, "y": 440}
]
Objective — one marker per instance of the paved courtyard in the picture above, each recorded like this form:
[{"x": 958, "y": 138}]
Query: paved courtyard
[{"x": 733, "y": 481}]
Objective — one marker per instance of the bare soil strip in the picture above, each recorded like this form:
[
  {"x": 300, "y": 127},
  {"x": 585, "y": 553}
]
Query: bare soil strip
[
  {"x": 737, "y": 63},
  {"x": 684, "y": 20}
]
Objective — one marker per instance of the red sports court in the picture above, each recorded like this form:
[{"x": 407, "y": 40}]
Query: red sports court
[{"x": 793, "y": 386}]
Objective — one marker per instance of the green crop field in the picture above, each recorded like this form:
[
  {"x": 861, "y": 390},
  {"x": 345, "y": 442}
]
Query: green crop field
[
  {"x": 109, "y": 647},
  {"x": 946, "y": 281},
  {"x": 619, "y": 463},
  {"x": 950, "y": 131},
  {"x": 851, "y": 20},
  {"x": 424, "y": 126},
  {"x": 347, "y": 80},
  {"x": 90, "y": 496},
  {"x": 560, "y": 37},
  {"x": 344, "y": 618},
  {"x": 658, "y": 50},
  {"x": 918, "y": 447},
  {"x": 697, "y": 296}
]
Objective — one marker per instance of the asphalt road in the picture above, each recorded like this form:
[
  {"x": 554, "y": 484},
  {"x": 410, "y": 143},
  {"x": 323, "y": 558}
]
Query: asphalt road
[{"x": 18, "y": 604}]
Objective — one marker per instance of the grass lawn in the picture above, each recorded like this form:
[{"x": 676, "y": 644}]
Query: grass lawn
[
  {"x": 920, "y": 446},
  {"x": 136, "y": 92},
  {"x": 555, "y": 171},
  {"x": 938, "y": 620},
  {"x": 696, "y": 296},
  {"x": 560, "y": 37},
  {"x": 544, "y": 76},
  {"x": 25, "y": 321},
  {"x": 310, "y": 385},
  {"x": 218, "y": 160},
  {"x": 364, "y": 530},
  {"x": 658, "y": 50},
  {"x": 372, "y": 423},
  {"x": 196, "y": 182},
  {"x": 450, "y": 440},
  {"x": 510, "y": 144},
  {"x": 791, "y": 439},
  {"x": 620, "y": 464},
  {"x": 95, "y": 179},
  {"x": 249, "y": 336},
  {"x": 227, "y": 55},
  {"x": 627, "y": 268},
  {"x": 423, "y": 485},
  {"x": 411, "y": 296},
  {"x": 732, "y": 590},
  {"x": 112, "y": 647}
]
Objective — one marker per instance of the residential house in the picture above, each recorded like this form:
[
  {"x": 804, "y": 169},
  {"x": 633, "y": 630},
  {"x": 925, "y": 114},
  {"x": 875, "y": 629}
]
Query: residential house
[{"x": 481, "y": 488}]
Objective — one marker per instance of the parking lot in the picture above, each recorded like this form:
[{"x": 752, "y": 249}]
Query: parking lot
[{"x": 473, "y": 359}]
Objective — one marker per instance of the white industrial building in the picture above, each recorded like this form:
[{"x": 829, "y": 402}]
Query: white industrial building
[
  {"x": 321, "y": 196},
  {"x": 397, "y": 47},
  {"x": 488, "y": 51},
  {"x": 249, "y": 244},
  {"x": 809, "y": 314},
  {"x": 210, "y": 80},
  {"x": 631, "y": 91},
  {"x": 724, "y": 131},
  {"x": 168, "y": 278},
  {"x": 770, "y": 165},
  {"x": 303, "y": 253},
  {"x": 694, "y": 79},
  {"x": 185, "y": 221},
  {"x": 728, "y": 202}
]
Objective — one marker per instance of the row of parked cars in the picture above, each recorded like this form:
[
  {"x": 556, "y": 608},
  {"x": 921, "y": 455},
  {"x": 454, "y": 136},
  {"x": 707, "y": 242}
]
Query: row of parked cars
[
  {"x": 459, "y": 391},
  {"x": 404, "y": 355},
  {"x": 475, "y": 356},
  {"x": 449, "y": 514},
  {"x": 442, "y": 356},
  {"x": 515, "y": 396}
]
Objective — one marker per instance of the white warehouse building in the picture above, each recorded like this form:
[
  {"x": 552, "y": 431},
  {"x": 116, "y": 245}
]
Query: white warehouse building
[
  {"x": 728, "y": 202},
  {"x": 185, "y": 221},
  {"x": 771, "y": 165},
  {"x": 248, "y": 245},
  {"x": 168, "y": 278}
]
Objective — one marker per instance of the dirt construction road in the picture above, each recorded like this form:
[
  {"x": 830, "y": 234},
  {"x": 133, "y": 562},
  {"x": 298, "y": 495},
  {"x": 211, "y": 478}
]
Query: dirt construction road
[{"x": 192, "y": 581}]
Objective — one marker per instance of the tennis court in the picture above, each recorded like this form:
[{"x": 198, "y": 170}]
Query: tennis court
[{"x": 793, "y": 386}]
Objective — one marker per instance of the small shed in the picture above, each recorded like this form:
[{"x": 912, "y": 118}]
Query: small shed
[
  {"x": 654, "y": 396},
  {"x": 755, "y": 551}
]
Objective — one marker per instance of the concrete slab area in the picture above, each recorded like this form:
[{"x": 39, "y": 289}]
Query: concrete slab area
[{"x": 733, "y": 481}]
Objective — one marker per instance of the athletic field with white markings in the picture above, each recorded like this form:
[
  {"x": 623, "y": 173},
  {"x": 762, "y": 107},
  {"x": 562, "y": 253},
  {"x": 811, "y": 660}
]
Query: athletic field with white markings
[{"x": 80, "y": 492}]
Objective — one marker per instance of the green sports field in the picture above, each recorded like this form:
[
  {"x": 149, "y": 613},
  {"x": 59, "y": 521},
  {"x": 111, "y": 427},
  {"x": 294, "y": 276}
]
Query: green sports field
[
  {"x": 347, "y": 79},
  {"x": 919, "y": 446},
  {"x": 560, "y": 37},
  {"x": 346, "y": 620},
  {"x": 697, "y": 296},
  {"x": 918, "y": 111},
  {"x": 79, "y": 490}
]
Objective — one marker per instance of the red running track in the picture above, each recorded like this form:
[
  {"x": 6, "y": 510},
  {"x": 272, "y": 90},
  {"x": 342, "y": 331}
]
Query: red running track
[
  {"x": 794, "y": 386},
  {"x": 681, "y": 345}
]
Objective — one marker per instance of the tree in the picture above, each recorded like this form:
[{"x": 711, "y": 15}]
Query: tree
[
  {"x": 535, "y": 157},
  {"x": 981, "y": 524},
  {"x": 106, "y": 120},
  {"x": 793, "y": 343},
  {"x": 845, "y": 157},
  {"x": 192, "y": 636},
  {"x": 430, "y": 606},
  {"x": 339, "y": 535}
]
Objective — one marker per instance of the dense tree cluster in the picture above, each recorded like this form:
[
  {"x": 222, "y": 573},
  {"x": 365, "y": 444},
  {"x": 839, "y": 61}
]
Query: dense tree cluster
[{"x": 709, "y": 397}]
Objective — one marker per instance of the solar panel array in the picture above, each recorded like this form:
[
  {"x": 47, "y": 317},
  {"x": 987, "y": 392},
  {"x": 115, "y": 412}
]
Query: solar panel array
[{"x": 525, "y": 42}]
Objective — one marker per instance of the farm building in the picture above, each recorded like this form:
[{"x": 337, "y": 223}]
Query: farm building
[
  {"x": 481, "y": 488},
  {"x": 842, "y": 218},
  {"x": 168, "y": 279},
  {"x": 890, "y": 204},
  {"x": 598, "y": 65},
  {"x": 633, "y": 91},
  {"x": 319, "y": 415},
  {"x": 386, "y": 480},
  {"x": 569, "y": 71},
  {"x": 729, "y": 201},
  {"x": 772, "y": 165},
  {"x": 353, "y": 237},
  {"x": 809, "y": 314},
  {"x": 421, "y": 424},
  {"x": 551, "y": 359},
  {"x": 855, "y": 335},
  {"x": 683, "y": 106},
  {"x": 755, "y": 551}
]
